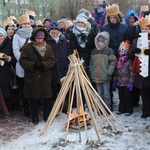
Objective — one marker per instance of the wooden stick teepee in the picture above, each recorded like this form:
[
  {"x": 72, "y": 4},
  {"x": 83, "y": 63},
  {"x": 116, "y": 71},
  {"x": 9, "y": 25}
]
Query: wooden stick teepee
[{"x": 77, "y": 84}]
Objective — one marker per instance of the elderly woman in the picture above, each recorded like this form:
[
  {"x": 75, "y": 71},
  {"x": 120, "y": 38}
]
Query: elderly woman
[
  {"x": 6, "y": 60},
  {"x": 37, "y": 59}
]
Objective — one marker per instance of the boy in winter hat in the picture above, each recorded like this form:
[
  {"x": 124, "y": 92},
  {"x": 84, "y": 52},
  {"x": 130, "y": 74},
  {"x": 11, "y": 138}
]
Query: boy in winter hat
[
  {"x": 102, "y": 66},
  {"x": 124, "y": 79}
]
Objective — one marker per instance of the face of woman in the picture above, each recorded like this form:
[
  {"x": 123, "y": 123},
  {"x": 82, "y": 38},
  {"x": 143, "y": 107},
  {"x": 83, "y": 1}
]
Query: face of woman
[
  {"x": 2, "y": 38},
  {"x": 113, "y": 19},
  {"x": 26, "y": 25},
  {"x": 54, "y": 32},
  {"x": 11, "y": 31},
  {"x": 81, "y": 24},
  {"x": 145, "y": 29}
]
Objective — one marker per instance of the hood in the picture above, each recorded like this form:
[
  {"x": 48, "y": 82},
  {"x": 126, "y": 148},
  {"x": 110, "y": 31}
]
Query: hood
[
  {"x": 128, "y": 14},
  {"x": 35, "y": 30},
  {"x": 106, "y": 36}
]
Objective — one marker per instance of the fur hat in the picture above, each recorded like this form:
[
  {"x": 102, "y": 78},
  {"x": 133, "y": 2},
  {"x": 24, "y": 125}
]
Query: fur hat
[
  {"x": 2, "y": 31},
  {"x": 124, "y": 46},
  {"x": 82, "y": 18},
  {"x": 54, "y": 25}
]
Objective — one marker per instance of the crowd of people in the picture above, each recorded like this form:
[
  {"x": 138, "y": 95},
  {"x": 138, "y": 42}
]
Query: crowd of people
[{"x": 108, "y": 42}]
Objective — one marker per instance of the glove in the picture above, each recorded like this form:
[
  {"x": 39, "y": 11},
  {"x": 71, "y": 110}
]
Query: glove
[
  {"x": 147, "y": 51},
  {"x": 114, "y": 86},
  {"x": 130, "y": 86},
  {"x": 137, "y": 51},
  {"x": 38, "y": 65}
]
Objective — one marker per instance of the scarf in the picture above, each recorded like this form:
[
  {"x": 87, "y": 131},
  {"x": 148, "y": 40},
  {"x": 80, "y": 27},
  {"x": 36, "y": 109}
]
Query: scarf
[
  {"x": 41, "y": 49},
  {"x": 81, "y": 35},
  {"x": 56, "y": 38},
  {"x": 121, "y": 61},
  {"x": 24, "y": 32}
]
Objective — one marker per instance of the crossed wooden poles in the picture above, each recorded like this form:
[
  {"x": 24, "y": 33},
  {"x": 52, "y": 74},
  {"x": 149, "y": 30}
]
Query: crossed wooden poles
[{"x": 77, "y": 85}]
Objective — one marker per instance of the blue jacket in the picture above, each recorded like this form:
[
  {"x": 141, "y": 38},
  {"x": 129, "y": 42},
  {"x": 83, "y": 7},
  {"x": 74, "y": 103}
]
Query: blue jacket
[{"x": 117, "y": 35}]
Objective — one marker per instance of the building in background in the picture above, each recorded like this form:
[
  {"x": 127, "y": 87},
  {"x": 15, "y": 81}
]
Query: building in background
[{"x": 42, "y": 8}]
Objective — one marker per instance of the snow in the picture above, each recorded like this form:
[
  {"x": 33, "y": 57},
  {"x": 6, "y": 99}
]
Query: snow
[{"x": 135, "y": 136}]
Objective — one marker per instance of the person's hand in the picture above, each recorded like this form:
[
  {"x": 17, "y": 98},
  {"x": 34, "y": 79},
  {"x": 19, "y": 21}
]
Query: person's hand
[
  {"x": 38, "y": 65},
  {"x": 136, "y": 23},
  {"x": 6, "y": 58},
  {"x": 130, "y": 86}
]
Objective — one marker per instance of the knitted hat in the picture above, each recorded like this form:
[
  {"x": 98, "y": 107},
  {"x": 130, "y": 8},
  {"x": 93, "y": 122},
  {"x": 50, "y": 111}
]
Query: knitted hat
[
  {"x": 124, "y": 47},
  {"x": 2, "y": 31},
  {"x": 40, "y": 35},
  {"x": 46, "y": 19},
  {"x": 63, "y": 19},
  {"x": 86, "y": 12},
  {"x": 54, "y": 25},
  {"x": 82, "y": 18}
]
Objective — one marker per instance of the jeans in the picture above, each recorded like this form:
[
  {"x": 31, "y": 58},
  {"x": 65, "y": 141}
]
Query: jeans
[{"x": 104, "y": 92}]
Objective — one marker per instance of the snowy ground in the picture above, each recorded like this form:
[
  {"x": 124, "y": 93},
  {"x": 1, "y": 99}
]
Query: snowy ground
[{"x": 135, "y": 136}]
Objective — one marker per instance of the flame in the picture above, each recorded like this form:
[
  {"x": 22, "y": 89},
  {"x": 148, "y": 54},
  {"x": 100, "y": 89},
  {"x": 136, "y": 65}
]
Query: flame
[{"x": 73, "y": 117}]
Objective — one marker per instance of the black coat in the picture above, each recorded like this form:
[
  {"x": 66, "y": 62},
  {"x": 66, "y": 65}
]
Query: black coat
[
  {"x": 61, "y": 51},
  {"x": 5, "y": 70},
  {"x": 83, "y": 52}
]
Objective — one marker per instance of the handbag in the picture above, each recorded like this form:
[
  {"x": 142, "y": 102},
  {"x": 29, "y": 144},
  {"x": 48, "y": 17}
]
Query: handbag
[{"x": 13, "y": 79}]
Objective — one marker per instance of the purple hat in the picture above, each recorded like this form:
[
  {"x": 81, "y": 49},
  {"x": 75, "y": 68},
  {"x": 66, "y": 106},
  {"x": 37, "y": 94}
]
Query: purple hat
[{"x": 40, "y": 35}]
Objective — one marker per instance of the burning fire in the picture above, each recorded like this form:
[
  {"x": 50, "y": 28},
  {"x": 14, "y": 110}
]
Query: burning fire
[{"x": 73, "y": 117}]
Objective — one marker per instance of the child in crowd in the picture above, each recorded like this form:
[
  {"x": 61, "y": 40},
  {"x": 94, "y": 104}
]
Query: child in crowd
[
  {"x": 123, "y": 79},
  {"x": 99, "y": 12},
  {"x": 102, "y": 66}
]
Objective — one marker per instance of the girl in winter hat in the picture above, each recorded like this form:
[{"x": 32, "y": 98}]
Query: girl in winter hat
[{"x": 124, "y": 79}]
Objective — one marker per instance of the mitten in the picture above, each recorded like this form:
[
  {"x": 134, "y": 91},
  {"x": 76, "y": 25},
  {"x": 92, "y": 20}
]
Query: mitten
[
  {"x": 38, "y": 65},
  {"x": 137, "y": 51},
  {"x": 114, "y": 86},
  {"x": 130, "y": 86},
  {"x": 147, "y": 51}
]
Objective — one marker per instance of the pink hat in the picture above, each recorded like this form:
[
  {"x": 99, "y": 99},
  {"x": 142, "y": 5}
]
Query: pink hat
[{"x": 40, "y": 35}]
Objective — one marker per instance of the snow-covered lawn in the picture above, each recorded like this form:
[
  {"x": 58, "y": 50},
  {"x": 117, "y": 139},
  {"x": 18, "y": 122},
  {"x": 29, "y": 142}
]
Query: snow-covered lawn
[{"x": 135, "y": 136}]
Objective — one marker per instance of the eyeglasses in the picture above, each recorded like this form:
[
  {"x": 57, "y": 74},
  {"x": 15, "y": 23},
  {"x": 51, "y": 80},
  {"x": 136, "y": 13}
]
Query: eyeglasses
[{"x": 145, "y": 28}]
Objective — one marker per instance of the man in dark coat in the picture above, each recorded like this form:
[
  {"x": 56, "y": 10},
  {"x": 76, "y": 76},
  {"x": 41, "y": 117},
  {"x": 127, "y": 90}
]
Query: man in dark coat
[{"x": 37, "y": 59}]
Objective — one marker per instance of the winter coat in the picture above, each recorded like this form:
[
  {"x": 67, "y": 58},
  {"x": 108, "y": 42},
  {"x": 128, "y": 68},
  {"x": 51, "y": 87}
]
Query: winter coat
[
  {"x": 83, "y": 52},
  {"x": 37, "y": 82},
  {"x": 124, "y": 75},
  {"x": 18, "y": 43},
  {"x": 99, "y": 15},
  {"x": 117, "y": 35},
  {"x": 5, "y": 70},
  {"x": 102, "y": 62},
  {"x": 61, "y": 51}
]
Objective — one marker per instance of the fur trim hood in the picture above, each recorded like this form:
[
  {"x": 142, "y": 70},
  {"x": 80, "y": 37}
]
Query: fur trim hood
[{"x": 106, "y": 36}]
